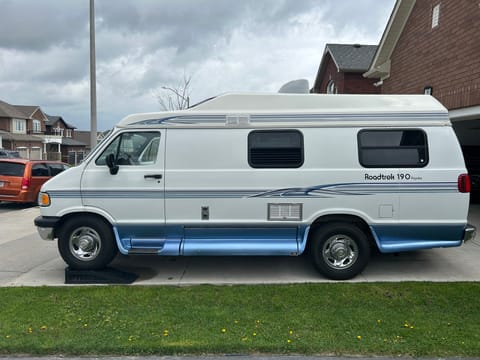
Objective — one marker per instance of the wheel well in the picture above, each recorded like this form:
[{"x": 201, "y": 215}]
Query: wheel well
[
  {"x": 343, "y": 218},
  {"x": 67, "y": 217}
]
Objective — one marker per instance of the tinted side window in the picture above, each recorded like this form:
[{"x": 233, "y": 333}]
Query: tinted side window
[
  {"x": 132, "y": 148},
  {"x": 11, "y": 169},
  {"x": 392, "y": 148},
  {"x": 275, "y": 149},
  {"x": 40, "y": 170},
  {"x": 56, "y": 169}
]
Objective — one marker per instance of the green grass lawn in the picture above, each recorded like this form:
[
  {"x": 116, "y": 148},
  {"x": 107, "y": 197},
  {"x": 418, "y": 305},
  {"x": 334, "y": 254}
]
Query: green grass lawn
[{"x": 416, "y": 319}]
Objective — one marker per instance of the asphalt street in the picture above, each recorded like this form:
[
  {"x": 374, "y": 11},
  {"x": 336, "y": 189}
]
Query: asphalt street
[{"x": 27, "y": 260}]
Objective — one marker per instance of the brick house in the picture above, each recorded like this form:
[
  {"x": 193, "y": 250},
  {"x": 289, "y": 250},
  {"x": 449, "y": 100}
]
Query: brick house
[
  {"x": 59, "y": 142},
  {"x": 341, "y": 69},
  {"x": 36, "y": 135},
  {"x": 19, "y": 126},
  {"x": 433, "y": 47}
]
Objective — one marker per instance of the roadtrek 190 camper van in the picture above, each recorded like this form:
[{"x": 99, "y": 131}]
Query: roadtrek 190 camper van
[{"x": 267, "y": 174}]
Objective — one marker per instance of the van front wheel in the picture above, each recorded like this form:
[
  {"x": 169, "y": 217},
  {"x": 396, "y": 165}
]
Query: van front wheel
[
  {"x": 86, "y": 243},
  {"x": 340, "y": 251}
]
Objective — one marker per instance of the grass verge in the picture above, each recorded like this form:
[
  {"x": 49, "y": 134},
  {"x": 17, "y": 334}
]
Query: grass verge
[{"x": 415, "y": 319}]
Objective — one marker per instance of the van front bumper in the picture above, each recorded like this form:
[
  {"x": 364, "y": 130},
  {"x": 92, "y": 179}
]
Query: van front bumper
[
  {"x": 46, "y": 226},
  {"x": 470, "y": 232}
]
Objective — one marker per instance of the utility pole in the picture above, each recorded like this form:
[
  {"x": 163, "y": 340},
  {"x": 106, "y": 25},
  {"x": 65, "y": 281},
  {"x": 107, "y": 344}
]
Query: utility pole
[{"x": 93, "y": 79}]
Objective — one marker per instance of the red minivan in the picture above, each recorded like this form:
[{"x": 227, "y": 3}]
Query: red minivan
[{"x": 21, "y": 179}]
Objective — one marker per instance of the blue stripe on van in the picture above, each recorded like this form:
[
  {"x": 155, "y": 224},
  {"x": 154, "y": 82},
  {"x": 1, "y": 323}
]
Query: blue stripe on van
[
  {"x": 279, "y": 118},
  {"x": 322, "y": 191}
]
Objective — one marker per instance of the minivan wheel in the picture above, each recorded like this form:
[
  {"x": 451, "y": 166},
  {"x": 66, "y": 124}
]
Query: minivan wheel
[
  {"x": 340, "y": 251},
  {"x": 86, "y": 243}
]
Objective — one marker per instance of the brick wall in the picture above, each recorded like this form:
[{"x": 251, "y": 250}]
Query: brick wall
[
  {"x": 345, "y": 82},
  {"x": 446, "y": 57},
  {"x": 331, "y": 73},
  {"x": 355, "y": 83}
]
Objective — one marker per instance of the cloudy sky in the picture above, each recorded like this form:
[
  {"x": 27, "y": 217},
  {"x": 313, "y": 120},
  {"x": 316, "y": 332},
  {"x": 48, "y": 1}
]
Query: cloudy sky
[{"x": 142, "y": 45}]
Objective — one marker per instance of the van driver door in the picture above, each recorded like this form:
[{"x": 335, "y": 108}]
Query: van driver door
[{"x": 125, "y": 183}]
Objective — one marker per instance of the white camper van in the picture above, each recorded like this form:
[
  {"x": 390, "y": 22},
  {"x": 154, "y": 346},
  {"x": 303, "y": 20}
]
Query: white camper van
[{"x": 267, "y": 174}]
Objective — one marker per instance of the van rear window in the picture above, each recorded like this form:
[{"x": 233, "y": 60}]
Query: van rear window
[
  {"x": 11, "y": 169},
  {"x": 275, "y": 149},
  {"x": 392, "y": 148}
]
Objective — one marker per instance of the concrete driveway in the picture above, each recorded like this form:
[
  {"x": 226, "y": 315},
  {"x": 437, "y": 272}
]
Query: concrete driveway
[{"x": 26, "y": 260}]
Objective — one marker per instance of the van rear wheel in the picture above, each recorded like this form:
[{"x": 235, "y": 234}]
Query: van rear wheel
[
  {"x": 340, "y": 251},
  {"x": 86, "y": 243}
]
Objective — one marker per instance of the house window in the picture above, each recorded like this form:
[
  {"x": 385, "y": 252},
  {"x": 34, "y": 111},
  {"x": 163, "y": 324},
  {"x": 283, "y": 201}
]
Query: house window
[
  {"x": 331, "y": 88},
  {"x": 58, "y": 131},
  {"x": 37, "y": 126},
  {"x": 392, "y": 148},
  {"x": 19, "y": 126},
  {"x": 435, "y": 15},
  {"x": 68, "y": 133},
  {"x": 275, "y": 149}
]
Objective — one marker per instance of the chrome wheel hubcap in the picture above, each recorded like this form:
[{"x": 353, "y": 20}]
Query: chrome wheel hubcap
[
  {"x": 340, "y": 252},
  {"x": 85, "y": 244}
]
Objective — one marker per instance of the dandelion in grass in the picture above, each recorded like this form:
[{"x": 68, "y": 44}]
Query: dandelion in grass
[
  {"x": 224, "y": 330},
  {"x": 43, "y": 327},
  {"x": 359, "y": 337}
]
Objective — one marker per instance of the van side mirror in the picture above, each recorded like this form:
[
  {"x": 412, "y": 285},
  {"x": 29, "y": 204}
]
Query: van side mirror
[{"x": 110, "y": 160}]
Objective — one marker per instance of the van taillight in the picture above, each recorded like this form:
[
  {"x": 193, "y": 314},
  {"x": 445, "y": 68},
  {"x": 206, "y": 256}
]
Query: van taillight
[
  {"x": 25, "y": 183},
  {"x": 464, "y": 183}
]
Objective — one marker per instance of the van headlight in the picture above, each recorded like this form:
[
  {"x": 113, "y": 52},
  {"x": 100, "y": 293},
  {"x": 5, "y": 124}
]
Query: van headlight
[{"x": 43, "y": 199}]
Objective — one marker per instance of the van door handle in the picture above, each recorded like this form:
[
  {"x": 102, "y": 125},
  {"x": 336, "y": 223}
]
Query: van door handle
[{"x": 153, "y": 176}]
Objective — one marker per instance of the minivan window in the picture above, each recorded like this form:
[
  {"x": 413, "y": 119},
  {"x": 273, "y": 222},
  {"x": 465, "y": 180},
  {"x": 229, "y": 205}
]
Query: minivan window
[
  {"x": 40, "y": 170},
  {"x": 392, "y": 148},
  {"x": 132, "y": 148},
  {"x": 11, "y": 169},
  {"x": 275, "y": 149},
  {"x": 56, "y": 169}
]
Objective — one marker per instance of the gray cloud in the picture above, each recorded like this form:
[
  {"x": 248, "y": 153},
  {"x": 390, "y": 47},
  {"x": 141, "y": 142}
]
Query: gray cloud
[{"x": 248, "y": 45}]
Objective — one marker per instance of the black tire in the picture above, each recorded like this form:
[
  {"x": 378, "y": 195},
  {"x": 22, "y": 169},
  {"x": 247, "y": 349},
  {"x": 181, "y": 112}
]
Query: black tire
[
  {"x": 339, "y": 251},
  {"x": 86, "y": 242}
]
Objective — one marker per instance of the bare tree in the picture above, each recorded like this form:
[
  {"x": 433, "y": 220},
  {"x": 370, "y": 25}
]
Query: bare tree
[{"x": 177, "y": 97}]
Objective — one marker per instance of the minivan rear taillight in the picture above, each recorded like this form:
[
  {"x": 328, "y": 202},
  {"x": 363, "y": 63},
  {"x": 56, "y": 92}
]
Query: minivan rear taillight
[
  {"x": 25, "y": 183},
  {"x": 464, "y": 183}
]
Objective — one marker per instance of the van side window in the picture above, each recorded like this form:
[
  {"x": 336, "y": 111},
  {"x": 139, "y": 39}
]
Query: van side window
[
  {"x": 392, "y": 148},
  {"x": 132, "y": 148},
  {"x": 40, "y": 170},
  {"x": 275, "y": 149}
]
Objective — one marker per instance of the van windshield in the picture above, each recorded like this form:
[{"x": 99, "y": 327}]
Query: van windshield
[{"x": 11, "y": 169}]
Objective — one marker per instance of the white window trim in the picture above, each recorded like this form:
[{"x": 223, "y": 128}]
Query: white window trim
[
  {"x": 19, "y": 126},
  {"x": 435, "y": 16},
  {"x": 331, "y": 87},
  {"x": 37, "y": 126}
]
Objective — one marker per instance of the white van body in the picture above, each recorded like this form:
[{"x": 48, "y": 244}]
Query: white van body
[{"x": 267, "y": 174}]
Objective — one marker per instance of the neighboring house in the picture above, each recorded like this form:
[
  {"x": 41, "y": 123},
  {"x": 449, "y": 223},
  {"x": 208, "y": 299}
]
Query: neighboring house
[
  {"x": 59, "y": 141},
  {"x": 433, "y": 47},
  {"x": 16, "y": 129},
  {"x": 84, "y": 137},
  {"x": 341, "y": 69},
  {"x": 37, "y": 136}
]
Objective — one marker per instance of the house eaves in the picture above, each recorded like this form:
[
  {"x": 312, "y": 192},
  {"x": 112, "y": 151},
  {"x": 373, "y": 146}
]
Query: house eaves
[
  {"x": 380, "y": 67},
  {"x": 10, "y": 111}
]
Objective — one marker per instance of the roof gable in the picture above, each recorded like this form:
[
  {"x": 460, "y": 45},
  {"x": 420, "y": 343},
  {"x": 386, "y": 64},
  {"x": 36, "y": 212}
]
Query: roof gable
[
  {"x": 351, "y": 58},
  {"x": 52, "y": 119}
]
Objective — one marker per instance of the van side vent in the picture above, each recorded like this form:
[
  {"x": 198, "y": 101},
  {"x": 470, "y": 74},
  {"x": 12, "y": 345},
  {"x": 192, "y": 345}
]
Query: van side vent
[
  {"x": 237, "y": 120},
  {"x": 285, "y": 212}
]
